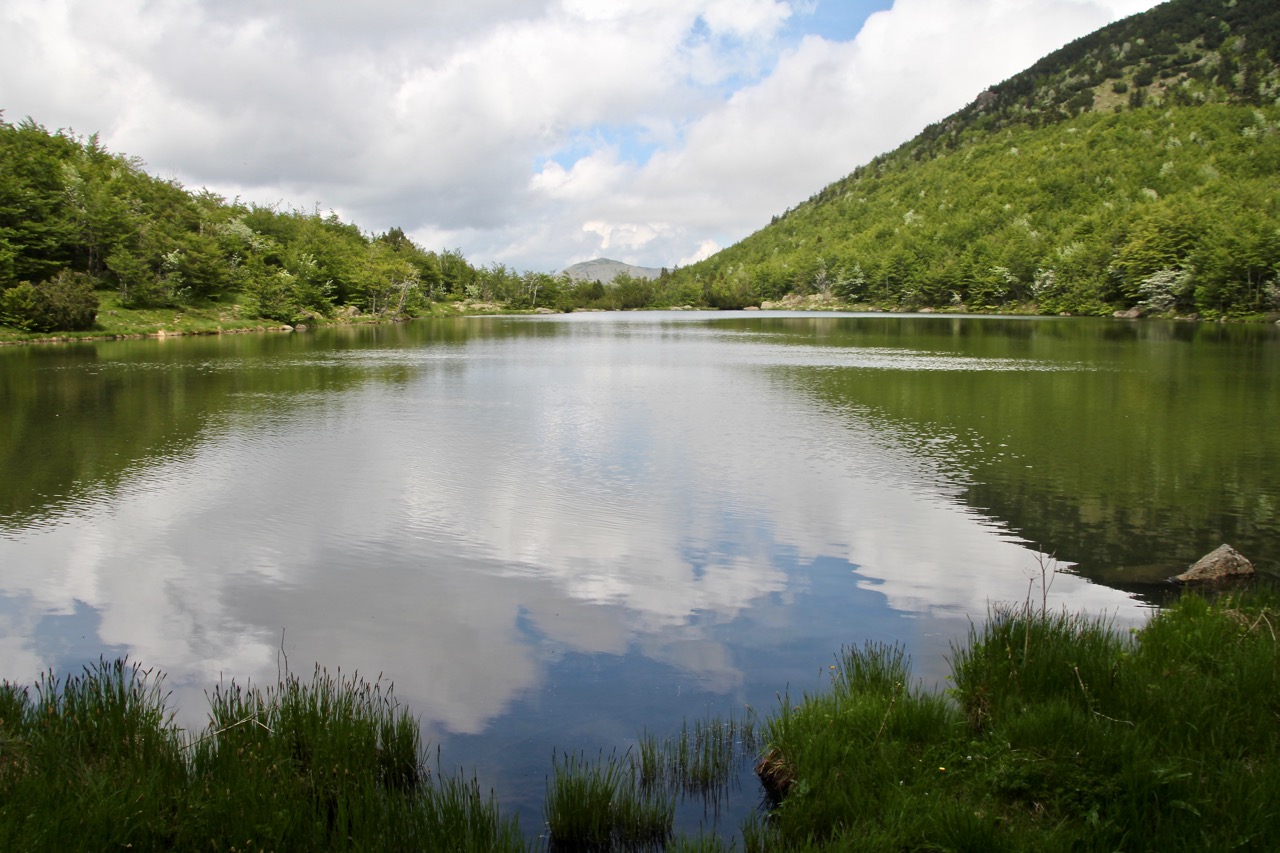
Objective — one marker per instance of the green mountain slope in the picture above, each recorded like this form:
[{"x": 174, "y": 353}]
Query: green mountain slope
[{"x": 1138, "y": 167}]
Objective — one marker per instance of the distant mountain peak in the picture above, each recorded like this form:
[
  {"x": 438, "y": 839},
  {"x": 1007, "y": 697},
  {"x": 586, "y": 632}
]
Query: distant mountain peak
[{"x": 605, "y": 270}]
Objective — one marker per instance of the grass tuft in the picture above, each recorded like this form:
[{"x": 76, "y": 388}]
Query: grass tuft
[
  {"x": 597, "y": 805},
  {"x": 94, "y": 762},
  {"x": 703, "y": 760},
  {"x": 1061, "y": 733}
]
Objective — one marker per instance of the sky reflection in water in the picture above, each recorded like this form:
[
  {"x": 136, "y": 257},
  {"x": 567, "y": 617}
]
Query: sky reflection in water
[{"x": 554, "y": 537}]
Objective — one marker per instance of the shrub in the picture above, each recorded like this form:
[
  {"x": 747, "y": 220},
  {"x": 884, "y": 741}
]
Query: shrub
[
  {"x": 1165, "y": 290},
  {"x": 66, "y": 302}
]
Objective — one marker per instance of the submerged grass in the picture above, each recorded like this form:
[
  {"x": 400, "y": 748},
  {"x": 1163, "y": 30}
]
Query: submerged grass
[
  {"x": 628, "y": 803},
  {"x": 703, "y": 760}
]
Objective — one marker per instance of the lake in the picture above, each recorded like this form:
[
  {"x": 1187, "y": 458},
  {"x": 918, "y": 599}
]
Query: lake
[{"x": 553, "y": 533}]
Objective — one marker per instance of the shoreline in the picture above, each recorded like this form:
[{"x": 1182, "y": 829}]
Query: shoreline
[
  {"x": 160, "y": 332},
  {"x": 491, "y": 309}
]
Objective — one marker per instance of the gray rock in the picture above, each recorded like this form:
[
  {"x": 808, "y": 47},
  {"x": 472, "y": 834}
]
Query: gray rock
[
  {"x": 986, "y": 99},
  {"x": 1222, "y": 563}
]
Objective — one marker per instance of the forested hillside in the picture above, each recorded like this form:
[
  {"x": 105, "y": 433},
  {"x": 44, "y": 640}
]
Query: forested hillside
[
  {"x": 76, "y": 219},
  {"x": 1138, "y": 167},
  {"x": 79, "y": 224}
]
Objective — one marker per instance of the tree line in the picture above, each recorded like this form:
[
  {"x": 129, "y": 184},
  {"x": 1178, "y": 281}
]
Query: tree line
[{"x": 78, "y": 222}]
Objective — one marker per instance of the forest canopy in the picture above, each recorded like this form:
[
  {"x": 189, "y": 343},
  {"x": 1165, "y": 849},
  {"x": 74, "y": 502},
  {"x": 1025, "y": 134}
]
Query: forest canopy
[{"x": 1135, "y": 168}]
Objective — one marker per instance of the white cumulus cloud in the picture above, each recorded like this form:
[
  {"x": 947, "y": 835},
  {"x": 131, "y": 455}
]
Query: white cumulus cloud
[{"x": 533, "y": 134}]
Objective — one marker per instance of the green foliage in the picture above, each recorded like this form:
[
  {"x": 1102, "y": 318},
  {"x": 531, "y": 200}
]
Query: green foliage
[
  {"x": 1067, "y": 735},
  {"x": 731, "y": 292},
  {"x": 20, "y": 307},
  {"x": 633, "y": 292},
  {"x": 1142, "y": 148},
  {"x": 267, "y": 291},
  {"x": 94, "y": 762},
  {"x": 65, "y": 302},
  {"x": 36, "y": 234},
  {"x": 66, "y": 204}
]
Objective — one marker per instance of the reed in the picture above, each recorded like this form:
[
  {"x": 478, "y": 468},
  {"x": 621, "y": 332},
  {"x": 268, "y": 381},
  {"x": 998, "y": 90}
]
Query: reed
[
  {"x": 702, "y": 760},
  {"x": 598, "y": 805},
  {"x": 93, "y": 762},
  {"x": 1060, "y": 733}
]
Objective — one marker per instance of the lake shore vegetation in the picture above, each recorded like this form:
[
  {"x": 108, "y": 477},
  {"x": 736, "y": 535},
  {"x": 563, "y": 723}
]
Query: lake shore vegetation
[
  {"x": 94, "y": 762},
  {"x": 1058, "y": 732}
]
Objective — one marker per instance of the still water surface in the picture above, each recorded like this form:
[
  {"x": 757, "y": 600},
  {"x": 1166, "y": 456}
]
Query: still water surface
[{"x": 556, "y": 532}]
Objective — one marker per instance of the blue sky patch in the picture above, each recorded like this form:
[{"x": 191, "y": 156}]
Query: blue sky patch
[
  {"x": 634, "y": 143},
  {"x": 834, "y": 20}
]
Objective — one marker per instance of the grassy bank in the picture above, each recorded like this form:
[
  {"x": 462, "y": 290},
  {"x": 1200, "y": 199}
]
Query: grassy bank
[
  {"x": 1059, "y": 733},
  {"x": 114, "y": 321},
  {"x": 214, "y": 318}
]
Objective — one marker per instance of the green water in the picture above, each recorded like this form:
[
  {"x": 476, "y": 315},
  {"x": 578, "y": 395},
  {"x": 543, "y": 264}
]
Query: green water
[{"x": 1147, "y": 447}]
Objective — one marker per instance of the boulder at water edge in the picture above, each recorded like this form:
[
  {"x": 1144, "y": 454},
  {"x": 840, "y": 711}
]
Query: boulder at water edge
[{"x": 1222, "y": 563}]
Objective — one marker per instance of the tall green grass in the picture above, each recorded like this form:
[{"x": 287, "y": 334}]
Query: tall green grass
[
  {"x": 599, "y": 805},
  {"x": 94, "y": 762},
  {"x": 90, "y": 761},
  {"x": 1060, "y": 733}
]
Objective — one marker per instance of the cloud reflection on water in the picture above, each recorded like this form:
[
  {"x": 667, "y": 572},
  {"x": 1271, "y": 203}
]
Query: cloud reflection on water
[{"x": 588, "y": 492}]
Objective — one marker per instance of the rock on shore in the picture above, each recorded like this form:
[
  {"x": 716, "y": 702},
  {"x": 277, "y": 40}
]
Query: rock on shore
[{"x": 1222, "y": 563}]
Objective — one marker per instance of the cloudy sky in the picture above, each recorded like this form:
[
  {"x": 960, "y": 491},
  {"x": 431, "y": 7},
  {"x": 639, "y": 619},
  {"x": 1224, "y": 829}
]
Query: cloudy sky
[{"x": 533, "y": 133}]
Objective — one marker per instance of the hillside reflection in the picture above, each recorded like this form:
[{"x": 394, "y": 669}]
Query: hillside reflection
[{"x": 475, "y": 509}]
